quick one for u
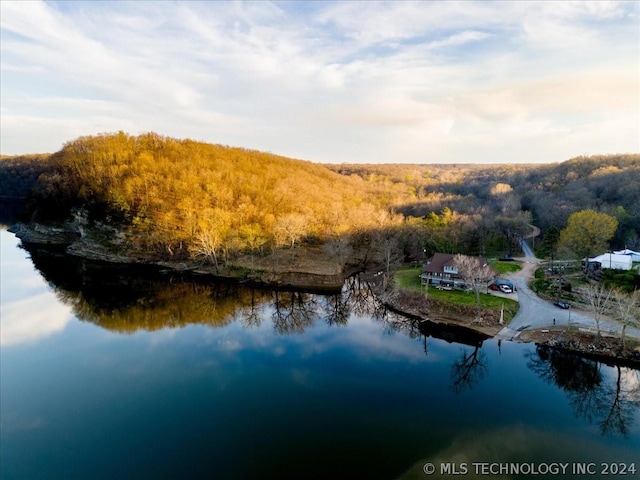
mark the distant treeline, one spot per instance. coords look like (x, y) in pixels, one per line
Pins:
(19, 174)
(189, 199)
(550, 192)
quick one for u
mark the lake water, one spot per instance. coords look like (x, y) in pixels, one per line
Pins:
(111, 373)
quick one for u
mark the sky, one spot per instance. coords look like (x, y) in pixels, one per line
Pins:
(335, 82)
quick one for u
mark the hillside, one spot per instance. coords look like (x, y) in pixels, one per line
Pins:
(185, 199)
(490, 197)
(181, 200)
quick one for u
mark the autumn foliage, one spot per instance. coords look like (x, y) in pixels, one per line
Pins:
(183, 199)
(195, 199)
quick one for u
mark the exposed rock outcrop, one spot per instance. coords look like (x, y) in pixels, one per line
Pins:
(45, 234)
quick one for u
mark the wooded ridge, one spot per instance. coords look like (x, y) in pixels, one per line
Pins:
(182, 200)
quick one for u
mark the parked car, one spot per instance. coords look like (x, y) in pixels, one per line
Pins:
(498, 283)
(505, 289)
(561, 304)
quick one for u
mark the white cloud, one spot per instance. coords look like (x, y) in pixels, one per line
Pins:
(33, 318)
(336, 81)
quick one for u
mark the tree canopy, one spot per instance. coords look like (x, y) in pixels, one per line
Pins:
(193, 198)
(190, 199)
(588, 232)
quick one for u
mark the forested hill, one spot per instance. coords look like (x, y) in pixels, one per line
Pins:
(186, 199)
(178, 195)
(489, 195)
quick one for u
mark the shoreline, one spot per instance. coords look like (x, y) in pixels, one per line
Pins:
(77, 245)
(443, 314)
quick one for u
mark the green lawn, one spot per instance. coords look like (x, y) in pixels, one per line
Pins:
(505, 267)
(408, 279)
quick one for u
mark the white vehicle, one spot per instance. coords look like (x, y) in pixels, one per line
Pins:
(505, 288)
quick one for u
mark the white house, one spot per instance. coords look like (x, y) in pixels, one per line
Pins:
(612, 260)
(635, 256)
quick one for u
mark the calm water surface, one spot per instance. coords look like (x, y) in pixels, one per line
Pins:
(114, 374)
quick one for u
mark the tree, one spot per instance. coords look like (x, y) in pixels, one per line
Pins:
(587, 232)
(387, 245)
(627, 310)
(212, 235)
(290, 228)
(476, 274)
(253, 237)
(599, 299)
(339, 249)
(548, 246)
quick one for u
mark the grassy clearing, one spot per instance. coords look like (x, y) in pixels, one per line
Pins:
(301, 260)
(408, 279)
(505, 267)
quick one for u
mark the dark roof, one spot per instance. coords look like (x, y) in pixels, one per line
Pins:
(437, 263)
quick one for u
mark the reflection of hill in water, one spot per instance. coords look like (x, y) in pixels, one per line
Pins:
(127, 298)
(131, 298)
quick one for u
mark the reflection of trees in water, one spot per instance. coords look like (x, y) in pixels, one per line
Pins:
(623, 403)
(293, 312)
(128, 298)
(359, 294)
(394, 322)
(162, 305)
(337, 309)
(468, 369)
(253, 313)
(610, 403)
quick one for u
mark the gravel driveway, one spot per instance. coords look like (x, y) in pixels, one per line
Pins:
(537, 313)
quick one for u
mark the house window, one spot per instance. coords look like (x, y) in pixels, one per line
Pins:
(450, 269)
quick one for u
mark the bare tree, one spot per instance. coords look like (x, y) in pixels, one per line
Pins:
(599, 299)
(212, 234)
(387, 245)
(339, 248)
(475, 274)
(290, 228)
(207, 245)
(627, 310)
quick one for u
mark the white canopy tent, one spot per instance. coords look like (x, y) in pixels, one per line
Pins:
(635, 256)
(614, 261)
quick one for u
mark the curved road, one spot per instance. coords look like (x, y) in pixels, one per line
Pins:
(536, 313)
